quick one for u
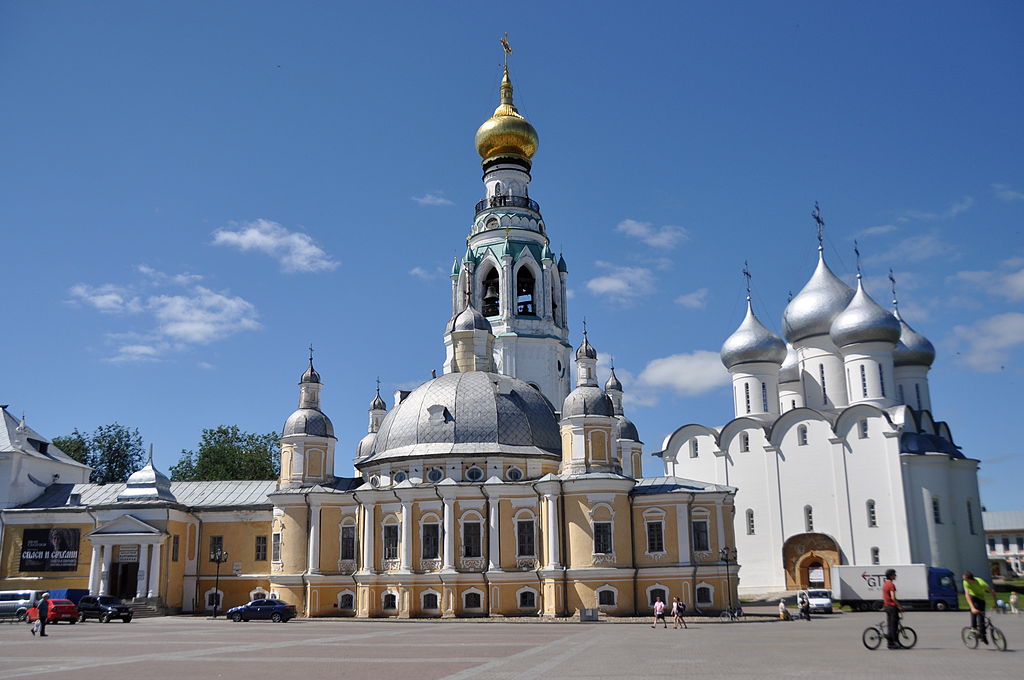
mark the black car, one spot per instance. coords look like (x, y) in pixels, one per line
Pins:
(275, 610)
(103, 608)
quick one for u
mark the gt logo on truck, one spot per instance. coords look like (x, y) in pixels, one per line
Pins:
(873, 580)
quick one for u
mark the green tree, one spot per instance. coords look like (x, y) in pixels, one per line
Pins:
(116, 452)
(225, 452)
(75, 445)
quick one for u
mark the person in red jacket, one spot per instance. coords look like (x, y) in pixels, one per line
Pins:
(892, 608)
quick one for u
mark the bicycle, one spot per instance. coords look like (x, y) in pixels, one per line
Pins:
(872, 637)
(731, 614)
(971, 636)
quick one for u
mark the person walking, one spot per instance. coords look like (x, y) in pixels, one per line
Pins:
(677, 613)
(1013, 603)
(974, 591)
(659, 612)
(892, 609)
(42, 613)
(805, 606)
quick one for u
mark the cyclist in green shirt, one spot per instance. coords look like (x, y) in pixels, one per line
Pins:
(974, 591)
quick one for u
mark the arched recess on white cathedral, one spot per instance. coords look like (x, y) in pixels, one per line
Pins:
(729, 438)
(527, 279)
(790, 420)
(849, 420)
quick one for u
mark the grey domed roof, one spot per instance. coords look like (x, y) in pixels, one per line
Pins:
(913, 349)
(469, 320)
(378, 404)
(586, 350)
(613, 382)
(310, 376)
(308, 421)
(814, 308)
(365, 446)
(790, 371)
(470, 413)
(864, 320)
(587, 400)
(147, 484)
(626, 429)
(752, 342)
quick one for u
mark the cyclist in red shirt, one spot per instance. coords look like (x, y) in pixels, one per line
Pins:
(892, 608)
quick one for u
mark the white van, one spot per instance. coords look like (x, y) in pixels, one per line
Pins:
(819, 598)
(16, 603)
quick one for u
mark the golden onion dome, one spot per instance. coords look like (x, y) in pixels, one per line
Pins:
(506, 133)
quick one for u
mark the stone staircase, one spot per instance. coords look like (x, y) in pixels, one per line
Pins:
(147, 608)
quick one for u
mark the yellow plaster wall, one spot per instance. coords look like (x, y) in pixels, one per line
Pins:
(240, 544)
(294, 538)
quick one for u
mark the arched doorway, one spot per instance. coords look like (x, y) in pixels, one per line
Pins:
(807, 559)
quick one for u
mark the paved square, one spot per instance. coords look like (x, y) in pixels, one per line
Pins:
(181, 647)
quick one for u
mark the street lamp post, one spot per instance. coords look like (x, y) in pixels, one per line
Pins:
(220, 557)
(728, 554)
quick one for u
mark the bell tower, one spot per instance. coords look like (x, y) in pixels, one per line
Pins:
(516, 282)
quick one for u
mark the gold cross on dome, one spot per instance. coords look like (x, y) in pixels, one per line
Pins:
(506, 47)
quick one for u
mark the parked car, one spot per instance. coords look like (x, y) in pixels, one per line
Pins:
(819, 599)
(16, 603)
(60, 610)
(103, 608)
(274, 610)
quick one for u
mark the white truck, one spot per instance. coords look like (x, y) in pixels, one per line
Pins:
(917, 585)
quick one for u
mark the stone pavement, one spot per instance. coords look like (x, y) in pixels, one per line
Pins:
(185, 648)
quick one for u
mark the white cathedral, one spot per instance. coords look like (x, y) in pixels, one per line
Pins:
(834, 450)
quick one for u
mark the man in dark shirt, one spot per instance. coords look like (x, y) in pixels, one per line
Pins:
(43, 611)
(892, 609)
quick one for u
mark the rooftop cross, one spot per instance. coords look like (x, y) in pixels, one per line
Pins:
(506, 47)
(856, 252)
(820, 222)
(311, 353)
(892, 280)
(747, 276)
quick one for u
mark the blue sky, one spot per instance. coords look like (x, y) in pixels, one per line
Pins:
(195, 191)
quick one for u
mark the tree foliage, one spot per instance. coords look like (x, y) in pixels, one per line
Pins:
(113, 451)
(225, 452)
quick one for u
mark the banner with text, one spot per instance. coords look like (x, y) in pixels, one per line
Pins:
(49, 549)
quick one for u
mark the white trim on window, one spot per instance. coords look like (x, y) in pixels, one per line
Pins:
(383, 600)
(606, 588)
(257, 594)
(352, 595)
(475, 591)
(220, 599)
(657, 586)
(711, 594)
(536, 598)
(423, 598)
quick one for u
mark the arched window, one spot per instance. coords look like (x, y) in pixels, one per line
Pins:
(430, 600)
(524, 292)
(824, 390)
(862, 428)
(746, 395)
(750, 522)
(606, 597)
(801, 435)
(554, 306)
(881, 378)
(492, 294)
(655, 593)
(863, 381)
(764, 397)
(936, 510)
(875, 558)
(872, 517)
(472, 599)
(390, 600)
(808, 519)
(744, 442)
(527, 598)
(917, 392)
(346, 600)
(694, 448)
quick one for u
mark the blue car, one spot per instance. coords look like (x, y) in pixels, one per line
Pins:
(273, 610)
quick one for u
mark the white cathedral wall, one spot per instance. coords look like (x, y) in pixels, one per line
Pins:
(752, 473)
(537, 361)
(818, 354)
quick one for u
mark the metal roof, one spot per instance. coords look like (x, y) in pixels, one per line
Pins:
(223, 494)
(14, 437)
(652, 485)
(1009, 520)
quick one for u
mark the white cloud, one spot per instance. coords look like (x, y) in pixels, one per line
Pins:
(913, 249)
(108, 298)
(622, 285)
(295, 251)
(955, 208)
(686, 374)
(1005, 284)
(202, 316)
(665, 237)
(698, 299)
(877, 230)
(961, 206)
(1006, 193)
(161, 278)
(426, 274)
(989, 342)
(432, 198)
(135, 354)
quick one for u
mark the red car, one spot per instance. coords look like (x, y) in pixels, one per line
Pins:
(60, 610)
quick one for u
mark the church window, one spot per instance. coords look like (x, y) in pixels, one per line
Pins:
(524, 292)
(656, 593)
(764, 397)
(917, 392)
(430, 600)
(175, 543)
(862, 428)
(899, 390)
(991, 545)
(744, 442)
(881, 378)
(746, 396)
(606, 598)
(471, 544)
(527, 599)
(492, 294)
(400, 476)
(348, 543)
(216, 547)
(656, 537)
(750, 522)
(936, 510)
(602, 538)
(863, 381)
(526, 545)
(514, 474)
(472, 600)
(391, 541)
(275, 547)
(474, 474)
(261, 548)
(703, 595)
(346, 601)
(808, 518)
(801, 435)
(435, 475)
(970, 516)
(872, 516)
(694, 448)
(213, 599)
(431, 541)
(699, 533)
(390, 601)
(875, 558)
(824, 389)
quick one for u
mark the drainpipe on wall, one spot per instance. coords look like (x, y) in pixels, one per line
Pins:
(564, 541)
(632, 557)
(199, 542)
(305, 574)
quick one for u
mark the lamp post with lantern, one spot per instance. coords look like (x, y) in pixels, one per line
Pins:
(219, 557)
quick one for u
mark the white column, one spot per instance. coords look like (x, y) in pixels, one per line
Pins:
(683, 526)
(140, 587)
(449, 535)
(406, 535)
(368, 532)
(108, 554)
(94, 570)
(154, 572)
(314, 538)
(553, 558)
(493, 536)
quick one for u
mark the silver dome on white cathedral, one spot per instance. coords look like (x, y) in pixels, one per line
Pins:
(913, 349)
(469, 319)
(790, 369)
(864, 320)
(752, 342)
(814, 308)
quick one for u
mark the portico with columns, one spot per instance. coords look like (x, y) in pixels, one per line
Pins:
(126, 546)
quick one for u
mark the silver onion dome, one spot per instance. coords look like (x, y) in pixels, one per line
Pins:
(864, 320)
(613, 382)
(913, 349)
(626, 429)
(308, 421)
(752, 342)
(365, 446)
(586, 350)
(790, 371)
(814, 308)
(469, 319)
(587, 400)
(378, 404)
(310, 376)
(147, 483)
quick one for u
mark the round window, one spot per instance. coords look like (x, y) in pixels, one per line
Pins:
(435, 475)
(375, 481)
(514, 474)
(474, 474)
(400, 477)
